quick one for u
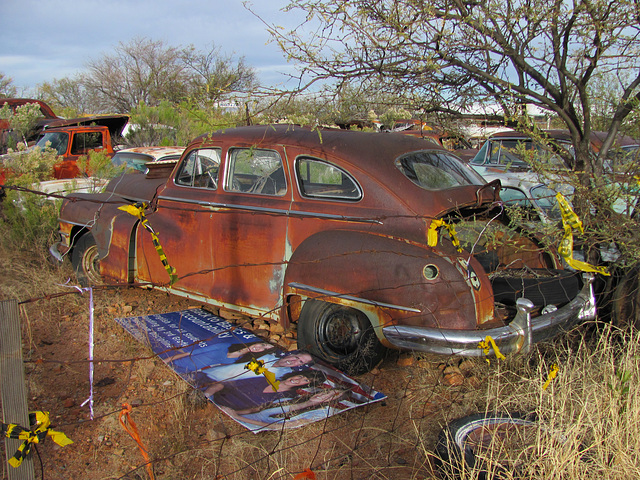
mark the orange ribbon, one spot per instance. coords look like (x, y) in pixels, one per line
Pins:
(132, 430)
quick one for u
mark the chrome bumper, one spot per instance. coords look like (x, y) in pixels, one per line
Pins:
(518, 336)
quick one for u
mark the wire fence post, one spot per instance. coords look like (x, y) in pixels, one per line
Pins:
(12, 386)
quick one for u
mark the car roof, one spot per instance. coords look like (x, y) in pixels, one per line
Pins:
(597, 138)
(155, 152)
(364, 149)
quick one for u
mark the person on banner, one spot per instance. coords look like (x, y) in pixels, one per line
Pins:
(306, 408)
(257, 391)
(216, 354)
(280, 363)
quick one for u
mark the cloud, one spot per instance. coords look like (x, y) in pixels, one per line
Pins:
(46, 39)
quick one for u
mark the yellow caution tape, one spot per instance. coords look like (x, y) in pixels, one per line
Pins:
(570, 222)
(41, 421)
(257, 367)
(137, 210)
(553, 372)
(432, 233)
(487, 344)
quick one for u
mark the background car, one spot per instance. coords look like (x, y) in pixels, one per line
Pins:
(136, 158)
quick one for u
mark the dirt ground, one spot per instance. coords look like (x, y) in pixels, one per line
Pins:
(186, 436)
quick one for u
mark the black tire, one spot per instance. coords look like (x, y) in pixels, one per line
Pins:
(544, 287)
(339, 335)
(463, 444)
(626, 300)
(86, 261)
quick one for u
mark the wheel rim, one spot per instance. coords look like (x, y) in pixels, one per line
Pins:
(340, 331)
(91, 265)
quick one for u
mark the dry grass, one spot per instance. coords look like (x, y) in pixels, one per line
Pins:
(587, 416)
(589, 412)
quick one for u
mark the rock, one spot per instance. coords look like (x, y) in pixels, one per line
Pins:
(466, 365)
(276, 328)
(261, 332)
(453, 376)
(68, 403)
(406, 360)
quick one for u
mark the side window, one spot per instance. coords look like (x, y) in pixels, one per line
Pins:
(200, 169)
(252, 170)
(85, 141)
(320, 179)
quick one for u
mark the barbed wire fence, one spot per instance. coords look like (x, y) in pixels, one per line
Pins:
(187, 437)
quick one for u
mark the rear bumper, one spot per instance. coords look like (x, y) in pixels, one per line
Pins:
(518, 336)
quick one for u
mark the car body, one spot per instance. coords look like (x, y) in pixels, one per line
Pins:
(49, 119)
(331, 231)
(501, 152)
(535, 195)
(72, 142)
(136, 158)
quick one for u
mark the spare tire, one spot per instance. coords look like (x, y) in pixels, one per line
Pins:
(464, 443)
(542, 286)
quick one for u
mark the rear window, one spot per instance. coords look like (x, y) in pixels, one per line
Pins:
(321, 179)
(437, 170)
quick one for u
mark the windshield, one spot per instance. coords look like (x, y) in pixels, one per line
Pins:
(517, 153)
(545, 198)
(136, 161)
(436, 170)
(57, 140)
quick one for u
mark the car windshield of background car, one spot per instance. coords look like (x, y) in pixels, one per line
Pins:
(135, 161)
(545, 198)
(57, 140)
(433, 170)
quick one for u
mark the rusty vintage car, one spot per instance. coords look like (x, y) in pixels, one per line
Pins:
(362, 240)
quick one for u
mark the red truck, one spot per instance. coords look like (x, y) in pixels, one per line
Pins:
(73, 142)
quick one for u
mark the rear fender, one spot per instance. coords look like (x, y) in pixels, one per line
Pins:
(395, 282)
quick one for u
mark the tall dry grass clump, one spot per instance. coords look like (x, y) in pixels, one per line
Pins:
(587, 419)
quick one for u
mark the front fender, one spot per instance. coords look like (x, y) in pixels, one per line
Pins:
(111, 228)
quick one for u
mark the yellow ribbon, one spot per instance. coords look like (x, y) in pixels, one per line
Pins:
(137, 210)
(257, 367)
(570, 222)
(432, 233)
(487, 344)
(553, 372)
(41, 421)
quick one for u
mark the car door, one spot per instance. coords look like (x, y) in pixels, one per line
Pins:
(253, 229)
(228, 244)
(182, 220)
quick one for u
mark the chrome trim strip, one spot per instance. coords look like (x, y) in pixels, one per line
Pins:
(328, 293)
(271, 210)
(516, 336)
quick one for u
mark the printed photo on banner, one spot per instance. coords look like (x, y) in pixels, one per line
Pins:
(260, 385)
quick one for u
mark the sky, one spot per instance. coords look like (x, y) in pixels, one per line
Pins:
(43, 40)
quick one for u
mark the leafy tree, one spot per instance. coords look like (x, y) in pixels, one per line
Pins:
(214, 75)
(452, 53)
(68, 97)
(7, 89)
(149, 72)
(23, 121)
(141, 71)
